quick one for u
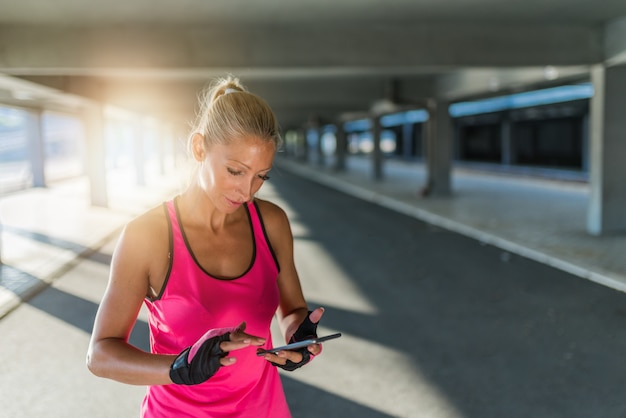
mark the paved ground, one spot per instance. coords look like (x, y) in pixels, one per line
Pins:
(435, 324)
(544, 220)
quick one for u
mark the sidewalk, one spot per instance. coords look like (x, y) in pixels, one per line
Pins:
(543, 220)
(46, 231)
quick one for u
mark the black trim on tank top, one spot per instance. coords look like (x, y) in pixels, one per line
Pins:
(267, 239)
(170, 254)
(193, 256)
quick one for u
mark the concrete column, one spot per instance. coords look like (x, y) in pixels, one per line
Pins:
(341, 148)
(302, 145)
(139, 153)
(95, 154)
(439, 150)
(607, 170)
(36, 148)
(424, 143)
(321, 159)
(507, 157)
(585, 143)
(457, 138)
(377, 154)
(407, 140)
(164, 137)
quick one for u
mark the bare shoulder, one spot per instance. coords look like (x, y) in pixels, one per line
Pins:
(145, 235)
(150, 225)
(278, 230)
(277, 226)
(141, 254)
(273, 215)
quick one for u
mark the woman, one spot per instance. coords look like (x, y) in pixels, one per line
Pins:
(213, 266)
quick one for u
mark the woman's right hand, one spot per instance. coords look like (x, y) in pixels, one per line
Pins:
(197, 363)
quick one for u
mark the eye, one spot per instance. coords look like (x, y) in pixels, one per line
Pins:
(234, 172)
(264, 177)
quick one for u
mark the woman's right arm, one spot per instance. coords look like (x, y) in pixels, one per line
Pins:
(110, 355)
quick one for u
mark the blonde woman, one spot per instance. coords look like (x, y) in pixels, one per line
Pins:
(213, 266)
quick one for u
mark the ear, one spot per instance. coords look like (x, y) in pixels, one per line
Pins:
(197, 147)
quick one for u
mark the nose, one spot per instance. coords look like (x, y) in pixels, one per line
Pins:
(245, 189)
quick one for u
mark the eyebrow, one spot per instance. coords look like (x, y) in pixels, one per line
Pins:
(248, 167)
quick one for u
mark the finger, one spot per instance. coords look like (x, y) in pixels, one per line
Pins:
(238, 331)
(274, 358)
(248, 339)
(227, 361)
(239, 336)
(294, 356)
(282, 356)
(254, 340)
(314, 349)
(228, 346)
(316, 315)
(242, 342)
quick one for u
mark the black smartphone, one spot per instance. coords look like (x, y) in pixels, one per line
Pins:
(299, 344)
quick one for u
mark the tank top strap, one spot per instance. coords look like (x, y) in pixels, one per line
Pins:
(177, 246)
(264, 247)
(171, 211)
(174, 226)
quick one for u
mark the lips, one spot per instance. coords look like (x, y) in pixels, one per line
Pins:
(233, 203)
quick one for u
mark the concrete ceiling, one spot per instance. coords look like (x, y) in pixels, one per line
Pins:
(230, 12)
(308, 58)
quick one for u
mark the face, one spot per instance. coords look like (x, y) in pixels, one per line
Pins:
(231, 174)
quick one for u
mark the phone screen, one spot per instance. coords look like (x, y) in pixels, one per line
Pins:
(299, 344)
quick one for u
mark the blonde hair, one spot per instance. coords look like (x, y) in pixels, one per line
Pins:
(228, 111)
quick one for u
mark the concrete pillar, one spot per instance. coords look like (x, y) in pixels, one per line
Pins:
(438, 150)
(36, 149)
(607, 150)
(457, 141)
(319, 152)
(95, 154)
(139, 153)
(313, 139)
(303, 145)
(341, 148)
(377, 154)
(507, 157)
(164, 136)
(407, 140)
(585, 143)
(425, 129)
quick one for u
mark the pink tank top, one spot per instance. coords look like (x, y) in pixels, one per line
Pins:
(192, 302)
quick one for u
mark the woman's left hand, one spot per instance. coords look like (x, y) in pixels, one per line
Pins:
(294, 359)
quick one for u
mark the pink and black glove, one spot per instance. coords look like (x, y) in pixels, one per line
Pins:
(306, 330)
(197, 363)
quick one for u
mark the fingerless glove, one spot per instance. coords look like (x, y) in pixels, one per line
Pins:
(305, 331)
(197, 363)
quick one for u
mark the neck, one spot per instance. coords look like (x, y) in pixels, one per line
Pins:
(198, 209)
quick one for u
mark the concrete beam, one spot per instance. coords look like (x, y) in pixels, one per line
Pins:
(615, 42)
(96, 50)
(476, 82)
(293, 99)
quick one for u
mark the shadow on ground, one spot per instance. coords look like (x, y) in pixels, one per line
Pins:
(497, 334)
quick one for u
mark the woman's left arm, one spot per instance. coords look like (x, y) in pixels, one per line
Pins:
(292, 308)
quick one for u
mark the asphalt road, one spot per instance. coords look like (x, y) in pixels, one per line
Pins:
(435, 325)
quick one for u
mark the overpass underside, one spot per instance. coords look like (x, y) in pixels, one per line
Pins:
(320, 73)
